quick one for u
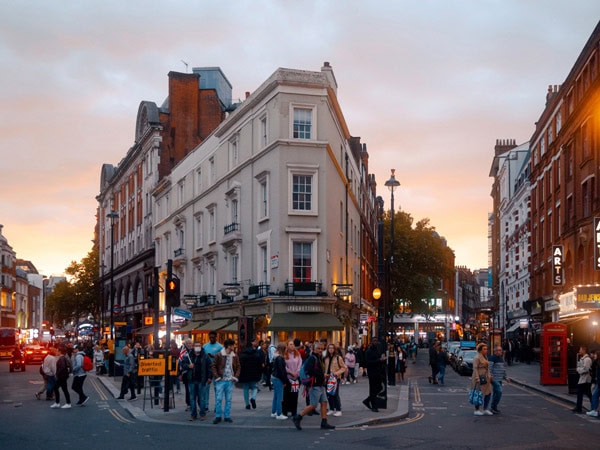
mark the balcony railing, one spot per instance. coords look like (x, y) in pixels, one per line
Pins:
(303, 288)
(207, 300)
(179, 252)
(231, 228)
(258, 291)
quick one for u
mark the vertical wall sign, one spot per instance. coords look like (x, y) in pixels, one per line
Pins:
(557, 265)
(596, 243)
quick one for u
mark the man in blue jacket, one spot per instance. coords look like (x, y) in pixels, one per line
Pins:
(498, 371)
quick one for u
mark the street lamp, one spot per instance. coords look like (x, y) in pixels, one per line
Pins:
(112, 216)
(391, 184)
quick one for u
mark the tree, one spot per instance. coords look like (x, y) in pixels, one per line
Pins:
(78, 297)
(421, 261)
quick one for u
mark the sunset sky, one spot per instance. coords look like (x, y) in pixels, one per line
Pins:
(428, 85)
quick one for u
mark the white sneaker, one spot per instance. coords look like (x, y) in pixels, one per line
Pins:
(281, 417)
(273, 415)
(487, 412)
(337, 413)
(478, 413)
(354, 381)
(330, 412)
(592, 413)
(66, 406)
(55, 405)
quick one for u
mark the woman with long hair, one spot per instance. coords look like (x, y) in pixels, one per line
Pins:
(278, 380)
(334, 365)
(293, 362)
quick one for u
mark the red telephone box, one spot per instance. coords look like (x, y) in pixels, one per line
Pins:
(553, 355)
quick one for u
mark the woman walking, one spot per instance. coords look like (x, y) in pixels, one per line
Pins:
(481, 379)
(293, 362)
(334, 365)
(350, 361)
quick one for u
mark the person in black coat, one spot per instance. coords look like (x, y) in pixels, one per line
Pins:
(198, 372)
(375, 363)
(251, 362)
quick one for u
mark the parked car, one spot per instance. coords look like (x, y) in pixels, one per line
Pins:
(34, 354)
(465, 362)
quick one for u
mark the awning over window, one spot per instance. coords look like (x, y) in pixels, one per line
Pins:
(232, 327)
(212, 325)
(144, 331)
(304, 322)
(191, 326)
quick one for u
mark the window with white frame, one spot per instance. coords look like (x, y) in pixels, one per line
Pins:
(199, 235)
(263, 196)
(263, 131)
(302, 261)
(180, 192)
(234, 267)
(211, 163)
(264, 265)
(234, 211)
(198, 181)
(302, 127)
(212, 274)
(303, 188)
(212, 224)
(234, 151)
(180, 233)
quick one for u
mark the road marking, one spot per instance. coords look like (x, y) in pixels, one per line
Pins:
(119, 417)
(99, 389)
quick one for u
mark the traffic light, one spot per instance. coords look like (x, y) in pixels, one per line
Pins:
(172, 292)
(150, 297)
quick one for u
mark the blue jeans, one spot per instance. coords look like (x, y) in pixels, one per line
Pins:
(442, 374)
(595, 397)
(204, 397)
(277, 396)
(196, 398)
(250, 386)
(496, 393)
(224, 388)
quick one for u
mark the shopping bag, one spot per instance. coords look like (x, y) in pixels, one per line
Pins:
(475, 397)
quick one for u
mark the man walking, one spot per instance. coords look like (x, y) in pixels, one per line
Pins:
(225, 371)
(318, 390)
(584, 364)
(79, 375)
(212, 347)
(374, 358)
(128, 381)
(498, 371)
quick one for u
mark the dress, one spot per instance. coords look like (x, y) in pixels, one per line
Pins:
(481, 367)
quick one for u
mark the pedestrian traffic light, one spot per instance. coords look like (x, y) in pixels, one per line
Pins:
(172, 292)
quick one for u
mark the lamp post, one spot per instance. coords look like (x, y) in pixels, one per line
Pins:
(391, 184)
(112, 216)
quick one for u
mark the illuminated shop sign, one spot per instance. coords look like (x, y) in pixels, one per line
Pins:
(557, 265)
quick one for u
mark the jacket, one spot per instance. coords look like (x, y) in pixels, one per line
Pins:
(49, 365)
(314, 368)
(497, 368)
(201, 372)
(279, 370)
(583, 369)
(77, 361)
(251, 363)
(129, 365)
(62, 368)
(337, 365)
(481, 367)
(218, 365)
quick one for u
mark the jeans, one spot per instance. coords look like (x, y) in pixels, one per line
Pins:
(486, 401)
(277, 396)
(496, 393)
(61, 384)
(224, 388)
(204, 397)
(441, 374)
(197, 393)
(595, 397)
(250, 386)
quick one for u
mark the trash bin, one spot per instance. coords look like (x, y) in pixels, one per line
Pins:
(572, 379)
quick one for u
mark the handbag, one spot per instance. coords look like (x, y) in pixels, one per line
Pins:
(482, 380)
(475, 397)
(332, 384)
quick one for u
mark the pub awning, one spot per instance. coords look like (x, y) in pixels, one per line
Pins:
(232, 327)
(212, 325)
(318, 321)
(190, 326)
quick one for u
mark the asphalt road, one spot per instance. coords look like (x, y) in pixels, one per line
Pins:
(440, 417)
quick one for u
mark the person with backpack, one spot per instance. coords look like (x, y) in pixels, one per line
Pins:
(79, 375)
(313, 378)
(62, 375)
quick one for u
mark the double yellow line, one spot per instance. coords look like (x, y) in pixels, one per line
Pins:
(103, 396)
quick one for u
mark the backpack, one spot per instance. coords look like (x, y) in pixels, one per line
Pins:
(305, 379)
(87, 363)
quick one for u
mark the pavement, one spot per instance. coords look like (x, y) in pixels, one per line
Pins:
(354, 413)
